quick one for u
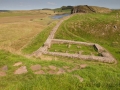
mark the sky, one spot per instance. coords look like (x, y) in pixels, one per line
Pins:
(39, 4)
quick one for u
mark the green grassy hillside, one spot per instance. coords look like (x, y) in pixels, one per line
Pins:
(96, 76)
(103, 29)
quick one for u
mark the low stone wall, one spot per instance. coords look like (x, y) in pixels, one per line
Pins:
(106, 57)
(47, 43)
(83, 57)
(99, 48)
(52, 33)
(60, 41)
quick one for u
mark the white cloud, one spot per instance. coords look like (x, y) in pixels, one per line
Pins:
(51, 3)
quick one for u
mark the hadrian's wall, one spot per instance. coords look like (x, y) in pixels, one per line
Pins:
(83, 57)
(47, 43)
(106, 57)
(60, 41)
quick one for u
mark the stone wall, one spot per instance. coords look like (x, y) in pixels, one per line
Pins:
(47, 43)
(60, 41)
(99, 48)
(83, 57)
(106, 57)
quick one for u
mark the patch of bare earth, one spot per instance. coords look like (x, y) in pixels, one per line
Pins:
(60, 71)
(77, 67)
(4, 68)
(66, 67)
(39, 72)
(82, 66)
(47, 58)
(52, 67)
(2, 73)
(51, 72)
(21, 70)
(45, 68)
(18, 64)
(35, 67)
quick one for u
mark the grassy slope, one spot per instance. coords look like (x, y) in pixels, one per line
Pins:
(103, 29)
(98, 28)
(39, 40)
(97, 76)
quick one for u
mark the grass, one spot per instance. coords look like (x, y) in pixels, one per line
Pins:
(39, 40)
(18, 28)
(72, 48)
(59, 10)
(97, 28)
(96, 76)
(26, 13)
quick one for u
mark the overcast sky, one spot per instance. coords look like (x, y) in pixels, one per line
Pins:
(39, 4)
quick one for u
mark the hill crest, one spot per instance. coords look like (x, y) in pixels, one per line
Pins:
(88, 9)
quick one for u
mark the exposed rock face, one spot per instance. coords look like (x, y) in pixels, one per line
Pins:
(82, 9)
(86, 9)
(76, 9)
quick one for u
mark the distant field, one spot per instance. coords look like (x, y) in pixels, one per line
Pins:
(17, 28)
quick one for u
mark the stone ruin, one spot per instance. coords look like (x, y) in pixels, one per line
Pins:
(105, 55)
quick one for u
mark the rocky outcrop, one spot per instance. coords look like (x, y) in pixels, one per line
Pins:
(77, 9)
(82, 9)
(87, 9)
(90, 8)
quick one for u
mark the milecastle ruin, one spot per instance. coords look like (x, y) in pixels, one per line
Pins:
(105, 55)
